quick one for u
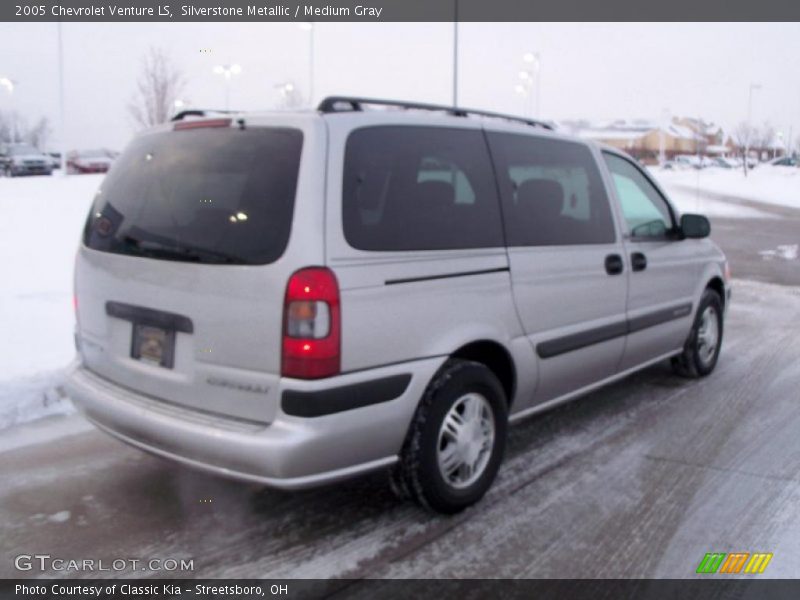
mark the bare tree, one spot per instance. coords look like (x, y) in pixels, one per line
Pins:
(159, 84)
(5, 130)
(38, 135)
(12, 127)
(744, 136)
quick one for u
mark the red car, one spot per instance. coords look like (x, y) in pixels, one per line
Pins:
(89, 161)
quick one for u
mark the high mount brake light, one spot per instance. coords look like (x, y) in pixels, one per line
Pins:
(311, 345)
(200, 124)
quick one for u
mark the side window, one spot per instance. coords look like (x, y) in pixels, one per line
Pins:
(552, 192)
(645, 210)
(419, 188)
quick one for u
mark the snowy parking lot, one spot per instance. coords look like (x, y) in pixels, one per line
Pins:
(654, 468)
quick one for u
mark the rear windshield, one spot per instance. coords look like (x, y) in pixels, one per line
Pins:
(212, 195)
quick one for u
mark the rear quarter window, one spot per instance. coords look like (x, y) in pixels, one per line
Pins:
(419, 188)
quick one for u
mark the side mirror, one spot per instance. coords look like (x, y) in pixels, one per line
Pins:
(695, 226)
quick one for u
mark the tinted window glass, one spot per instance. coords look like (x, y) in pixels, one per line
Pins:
(419, 188)
(216, 195)
(552, 192)
(645, 211)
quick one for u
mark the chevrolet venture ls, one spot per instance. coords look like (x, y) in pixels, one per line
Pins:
(297, 298)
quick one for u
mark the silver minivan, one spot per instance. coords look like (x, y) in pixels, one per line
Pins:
(294, 298)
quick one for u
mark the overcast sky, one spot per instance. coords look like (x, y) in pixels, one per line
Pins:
(588, 70)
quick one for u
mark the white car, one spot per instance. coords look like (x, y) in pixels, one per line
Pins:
(23, 159)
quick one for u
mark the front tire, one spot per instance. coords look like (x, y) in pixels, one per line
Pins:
(456, 440)
(701, 351)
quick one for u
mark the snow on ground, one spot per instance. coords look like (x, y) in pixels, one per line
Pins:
(765, 183)
(42, 218)
(687, 201)
(783, 251)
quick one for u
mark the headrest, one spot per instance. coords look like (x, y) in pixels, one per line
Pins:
(541, 191)
(429, 193)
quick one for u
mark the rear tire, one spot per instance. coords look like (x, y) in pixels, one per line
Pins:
(456, 440)
(701, 350)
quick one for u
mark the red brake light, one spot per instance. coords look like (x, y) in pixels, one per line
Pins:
(311, 347)
(201, 123)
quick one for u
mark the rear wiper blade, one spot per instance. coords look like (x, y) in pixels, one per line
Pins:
(180, 252)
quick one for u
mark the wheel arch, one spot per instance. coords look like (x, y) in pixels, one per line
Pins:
(496, 358)
(716, 284)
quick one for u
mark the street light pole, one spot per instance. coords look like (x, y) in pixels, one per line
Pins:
(662, 139)
(309, 27)
(455, 53)
(753, 86)
(530, 79)
(311, 66)
(61, 113)
(538, 71)
(228, 71)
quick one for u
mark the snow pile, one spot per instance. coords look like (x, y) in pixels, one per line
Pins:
(42, 218)
(783, 251)
(765, 183)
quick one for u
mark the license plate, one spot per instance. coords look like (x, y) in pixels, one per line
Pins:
(153, 345)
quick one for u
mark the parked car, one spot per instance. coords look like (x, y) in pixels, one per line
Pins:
(722, 162)
(89, 161)
(674, 165)
(689, 160)
(23, 159)
(784, 161)
(55, 160)
(297, 298)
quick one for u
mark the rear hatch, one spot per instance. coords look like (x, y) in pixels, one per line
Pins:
(181, 275)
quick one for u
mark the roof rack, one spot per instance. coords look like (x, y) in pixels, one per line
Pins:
(200, 112)
(333, 104)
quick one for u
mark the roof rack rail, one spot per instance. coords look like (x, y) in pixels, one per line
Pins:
(333, 104)
(200, 112)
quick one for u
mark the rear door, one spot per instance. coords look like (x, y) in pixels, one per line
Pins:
(565, 257)
(185, 257)
(415, 237)
(663, 268)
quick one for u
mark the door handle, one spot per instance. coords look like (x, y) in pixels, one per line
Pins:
(638, 261)
(614, 264)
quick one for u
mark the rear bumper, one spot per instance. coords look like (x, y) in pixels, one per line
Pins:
(292, 452)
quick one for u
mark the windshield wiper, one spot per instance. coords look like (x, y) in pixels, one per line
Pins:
(179, 252)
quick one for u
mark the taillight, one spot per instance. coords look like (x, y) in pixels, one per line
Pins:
(311, 325)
